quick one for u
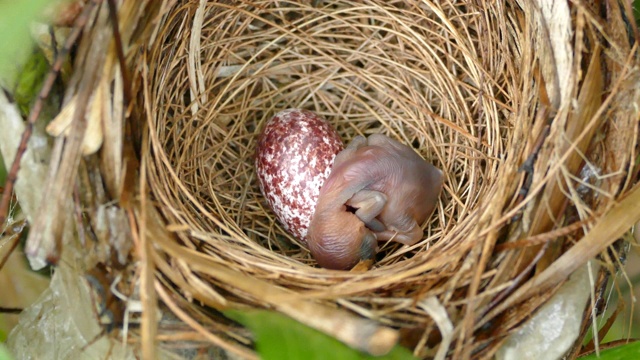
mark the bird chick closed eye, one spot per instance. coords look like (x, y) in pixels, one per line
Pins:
(378, 190)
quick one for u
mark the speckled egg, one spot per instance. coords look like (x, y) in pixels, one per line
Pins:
(294, 157)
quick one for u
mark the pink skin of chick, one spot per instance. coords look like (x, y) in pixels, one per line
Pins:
(378, 190)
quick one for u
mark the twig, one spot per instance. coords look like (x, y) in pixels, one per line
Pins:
(7, 310)
(14, 234)
(542, 238)
(12, 175)
(126, 79)
(13, 243)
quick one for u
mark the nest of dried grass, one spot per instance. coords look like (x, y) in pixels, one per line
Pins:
(529, 111)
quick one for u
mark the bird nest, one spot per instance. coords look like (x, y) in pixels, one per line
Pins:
(513, 115)
(527, 107)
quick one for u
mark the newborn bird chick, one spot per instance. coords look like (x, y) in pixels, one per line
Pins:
(378, 190)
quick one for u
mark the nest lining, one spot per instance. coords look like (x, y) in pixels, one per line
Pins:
(350, 65)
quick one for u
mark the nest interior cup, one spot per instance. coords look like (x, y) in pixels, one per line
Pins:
(366, 74)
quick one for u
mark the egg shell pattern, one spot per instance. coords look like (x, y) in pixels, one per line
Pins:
(294, 157)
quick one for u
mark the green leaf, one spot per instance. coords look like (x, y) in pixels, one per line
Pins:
(29, 80)
(4, 353)
(3, 171)
(279, 337)
(15, 40)
(622, 352)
